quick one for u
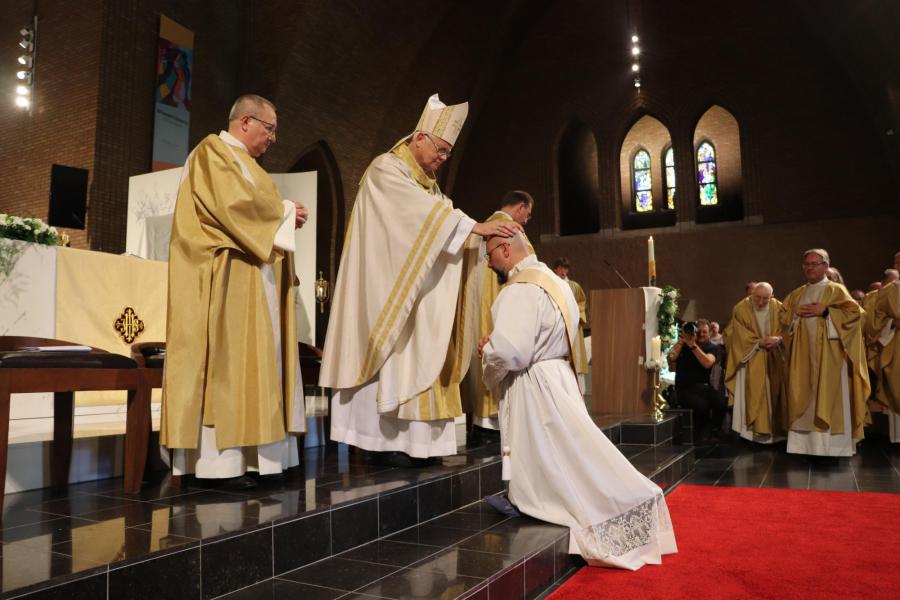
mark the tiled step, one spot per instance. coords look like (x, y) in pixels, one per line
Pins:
(190, 541)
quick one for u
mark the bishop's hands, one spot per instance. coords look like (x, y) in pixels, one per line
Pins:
(301, 216)
(482, 344)
(500, 228)
(814, 309)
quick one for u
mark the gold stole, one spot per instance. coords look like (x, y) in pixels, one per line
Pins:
(546, 283)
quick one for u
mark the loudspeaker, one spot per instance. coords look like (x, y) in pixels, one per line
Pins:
(68, 196)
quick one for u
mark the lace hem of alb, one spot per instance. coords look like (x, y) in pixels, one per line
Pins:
(620, 535)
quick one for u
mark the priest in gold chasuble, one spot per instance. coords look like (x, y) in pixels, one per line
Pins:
(828, 380)
(232, 387)
(754, 374)
(403, 319)
(881, 333)
(579, 350)
(478, 400)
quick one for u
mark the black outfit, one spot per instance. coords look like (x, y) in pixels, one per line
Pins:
(693, 390)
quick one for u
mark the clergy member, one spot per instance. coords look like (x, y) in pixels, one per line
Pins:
(478, 401)
(403, 318)
(232, 387)
(560, 466)
(579, 349)
(881, 331)
(754, 374)
(828, 383)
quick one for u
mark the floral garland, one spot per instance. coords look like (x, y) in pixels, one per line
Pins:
(28, 230)
(665, 317)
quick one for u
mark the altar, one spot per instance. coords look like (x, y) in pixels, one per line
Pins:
(110, 301)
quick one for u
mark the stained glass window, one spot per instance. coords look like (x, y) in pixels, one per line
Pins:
(643, 193)
(670, 178)
(706, 174)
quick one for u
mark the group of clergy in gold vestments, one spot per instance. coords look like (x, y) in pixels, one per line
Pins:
(418, 294)
(799, 369)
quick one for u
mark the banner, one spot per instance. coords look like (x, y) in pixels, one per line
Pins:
(172, 115)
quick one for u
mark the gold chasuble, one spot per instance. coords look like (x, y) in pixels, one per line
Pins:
(821, 350)
(579, 350)
(405, 308)
(882, 334)
(478, 399)
(755, 375)
(221, 368)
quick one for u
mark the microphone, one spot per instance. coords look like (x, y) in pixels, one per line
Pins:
(616, 271)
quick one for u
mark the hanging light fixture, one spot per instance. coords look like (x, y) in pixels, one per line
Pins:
(25, 74)
(636, 65)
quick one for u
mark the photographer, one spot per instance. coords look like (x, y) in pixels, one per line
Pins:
(692, 357)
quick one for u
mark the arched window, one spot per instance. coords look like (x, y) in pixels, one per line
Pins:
(669, 161)
(706, 174)
(643, 183)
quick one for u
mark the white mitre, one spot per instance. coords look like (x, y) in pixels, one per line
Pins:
(443, 121)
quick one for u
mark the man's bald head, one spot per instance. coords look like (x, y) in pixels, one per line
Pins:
(762, 293)
(503, 253)
(890, 276)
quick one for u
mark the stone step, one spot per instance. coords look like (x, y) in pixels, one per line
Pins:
(349, 518)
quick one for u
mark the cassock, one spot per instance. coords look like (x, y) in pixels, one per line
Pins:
(560, 466)
(232, 386)
(828, 381)
(883, 335)
(477, 398)
(404, 315)
(579, 351)
(754, 376)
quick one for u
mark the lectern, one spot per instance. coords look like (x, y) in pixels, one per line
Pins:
(623, 321)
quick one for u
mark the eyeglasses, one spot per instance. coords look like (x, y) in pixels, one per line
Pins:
(487, 255)
(442, 152)
(269, 127)
(813, 264)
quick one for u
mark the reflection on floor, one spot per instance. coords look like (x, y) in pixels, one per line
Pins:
(874, 468)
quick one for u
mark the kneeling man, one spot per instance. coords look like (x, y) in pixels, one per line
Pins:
(560, 466)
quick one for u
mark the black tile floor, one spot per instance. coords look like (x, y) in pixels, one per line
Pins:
(874, 468)
(185, 539)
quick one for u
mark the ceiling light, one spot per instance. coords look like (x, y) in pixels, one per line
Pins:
(635, 67)
(634, 39)
(635, 51)
(23, 90)
(23, 102)
(637, 82)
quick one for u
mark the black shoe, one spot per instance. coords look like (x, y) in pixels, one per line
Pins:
(401, 460)
(236, 484)
(502, 505)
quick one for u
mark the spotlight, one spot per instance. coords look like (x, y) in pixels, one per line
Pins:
(23, 75)
(637, 82)
(23, 90)
(635, 67)
(635, 50)
(24, 60)
(634, 39)
(22, 102)
(27, 45)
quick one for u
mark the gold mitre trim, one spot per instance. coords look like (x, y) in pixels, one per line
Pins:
(443, 121)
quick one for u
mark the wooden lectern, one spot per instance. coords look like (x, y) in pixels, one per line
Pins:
(620, 384)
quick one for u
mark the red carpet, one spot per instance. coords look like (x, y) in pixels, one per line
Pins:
(765, 543)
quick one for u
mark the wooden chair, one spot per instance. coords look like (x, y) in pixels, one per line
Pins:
(64, 373)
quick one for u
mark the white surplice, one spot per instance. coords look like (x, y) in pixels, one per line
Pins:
(561, 468)
(208, 461)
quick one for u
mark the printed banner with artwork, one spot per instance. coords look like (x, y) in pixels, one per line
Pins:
(172, 113)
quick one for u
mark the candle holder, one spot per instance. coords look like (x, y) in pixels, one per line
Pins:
(659, 403)
(322, 292)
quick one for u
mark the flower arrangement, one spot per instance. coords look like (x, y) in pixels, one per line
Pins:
(28, 229)
(665, 317)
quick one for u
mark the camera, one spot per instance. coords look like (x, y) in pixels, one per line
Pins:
(689, 328)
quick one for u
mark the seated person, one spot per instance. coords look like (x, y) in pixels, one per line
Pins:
(692, 358)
